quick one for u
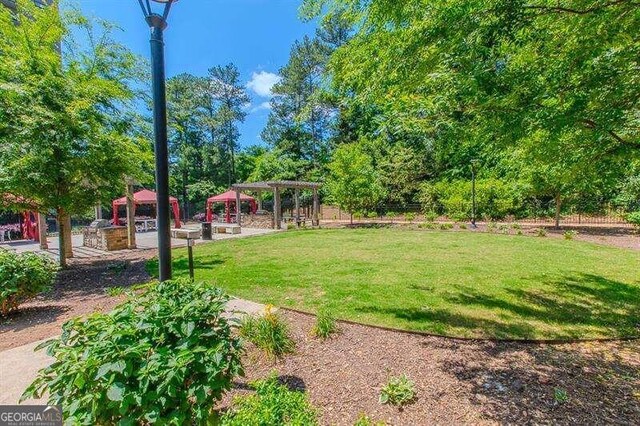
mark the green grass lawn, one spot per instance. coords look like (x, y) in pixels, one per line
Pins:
(454, 283)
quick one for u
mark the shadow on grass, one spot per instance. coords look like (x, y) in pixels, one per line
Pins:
(573, 307)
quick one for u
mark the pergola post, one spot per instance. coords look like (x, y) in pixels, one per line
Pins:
(297, 201)
(131, 220)
(276, 207)
(98, 211)
(316, 207)
(260, 200)
(238, 209)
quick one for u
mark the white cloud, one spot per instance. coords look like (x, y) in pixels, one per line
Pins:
(262, 82)
(262, 106)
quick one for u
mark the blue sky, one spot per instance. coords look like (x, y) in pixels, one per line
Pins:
(256, 35)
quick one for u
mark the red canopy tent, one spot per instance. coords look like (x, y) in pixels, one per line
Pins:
(29, 223)
(227, 198)
(148, 198)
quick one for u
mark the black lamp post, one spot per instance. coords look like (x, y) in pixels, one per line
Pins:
(474, 164)
(157, 24)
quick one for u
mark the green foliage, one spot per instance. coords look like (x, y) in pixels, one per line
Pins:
(364, 420)
(272, 404)
(569, 235)
(494, 198)
(541, 232)
(325, 325)
(634, 219)
(68, 136)
(398, 391)
(269, 332)
(22, 277)
(115, 291)
(560, 395)
(353, 183)
(410, 217)
(167, 356)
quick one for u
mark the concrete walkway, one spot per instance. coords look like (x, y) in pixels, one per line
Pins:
(19, 366)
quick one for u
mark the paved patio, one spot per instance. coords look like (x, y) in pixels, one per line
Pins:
(144, 241)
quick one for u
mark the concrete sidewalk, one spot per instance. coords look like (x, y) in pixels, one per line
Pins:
(19, 366)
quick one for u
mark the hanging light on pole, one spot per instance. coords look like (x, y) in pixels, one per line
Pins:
(157, 24)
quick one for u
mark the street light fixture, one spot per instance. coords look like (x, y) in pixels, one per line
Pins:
(157, 23)
(474, 164)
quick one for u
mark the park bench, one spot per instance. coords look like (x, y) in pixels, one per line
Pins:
(226, 228)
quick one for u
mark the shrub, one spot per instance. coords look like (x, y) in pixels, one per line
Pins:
(446, 226)
(541, 232)
(372, 215)
(22, 277)
(167, 355)
(634, 219)
(269, 332)
(430, 215)
(569, 235)
(325, 325)
(272, 404)
(291, 226)
(398, 391)
(427, 225)
(410, 217)
(462, 226)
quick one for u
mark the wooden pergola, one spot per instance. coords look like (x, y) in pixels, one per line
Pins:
(277, 186)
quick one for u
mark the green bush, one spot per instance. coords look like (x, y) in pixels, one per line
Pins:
(398, 391)
(494, 198)
(325, 325)
(269, 332)
(634, 219)
(22, 277)
(569, 235)
(166, 356)
(273, 404)
(410, 217)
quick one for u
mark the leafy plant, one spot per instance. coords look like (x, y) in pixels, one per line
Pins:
(272, 404)
(372, 215)
(398, 391)
(634, 219)
(462, 226)
(269, 332)
(446, 226)
(291, 226)
(167, 355)
(430, 215)
(22, 277)
(569, 235)
(541, 232)
(114, 291)
(560, 395)
(325, 325)
(410, 217)
(364, 420)
(427, 225)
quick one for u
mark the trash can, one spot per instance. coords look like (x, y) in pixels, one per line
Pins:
(206, 231)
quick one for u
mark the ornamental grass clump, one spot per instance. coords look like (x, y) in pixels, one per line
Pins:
(272, 404)
(22, 277)
(269, 332)
(166, 356)
(325, 325)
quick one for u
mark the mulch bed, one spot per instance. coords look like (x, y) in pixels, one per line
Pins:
(457, 382)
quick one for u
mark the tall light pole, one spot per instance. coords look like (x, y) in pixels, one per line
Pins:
(474, 164)
(157, 23)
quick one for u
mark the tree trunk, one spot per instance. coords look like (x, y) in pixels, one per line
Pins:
(64, 237)
(351, 218)
(185, 201)
(558, 208)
